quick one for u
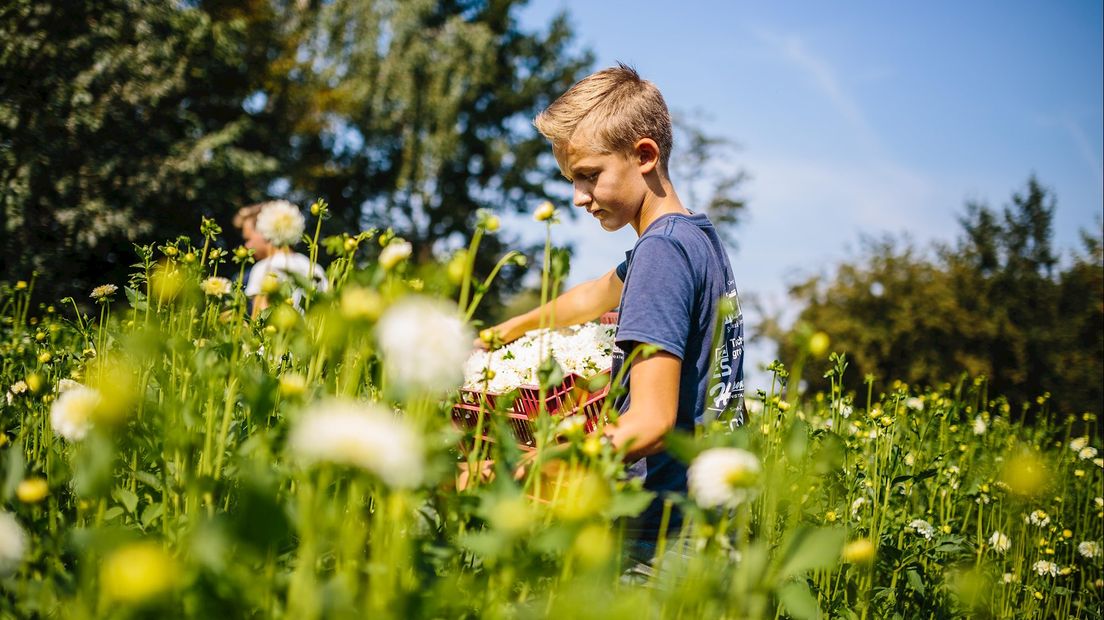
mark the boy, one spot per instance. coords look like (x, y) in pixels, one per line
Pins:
(271, 259)
(611, 135)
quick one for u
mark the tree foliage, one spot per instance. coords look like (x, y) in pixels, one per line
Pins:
(126, 121)
(995, 303)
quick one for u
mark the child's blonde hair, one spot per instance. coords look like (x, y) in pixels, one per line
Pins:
(616, 107)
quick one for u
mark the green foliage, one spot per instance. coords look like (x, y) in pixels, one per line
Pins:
(999, 303)
(190, 496)
(124, 121)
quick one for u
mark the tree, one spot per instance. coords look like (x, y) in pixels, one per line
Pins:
(992, 304)
(708, 178)
(122, 122)
(126, 123)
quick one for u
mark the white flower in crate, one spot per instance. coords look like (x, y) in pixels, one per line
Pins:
(723, 477)
(71, 413)
(281, 223)
(423, 343)
(584, 350)
(364, 435)
(13, 544)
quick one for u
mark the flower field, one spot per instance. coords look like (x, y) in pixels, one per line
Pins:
(165, 456)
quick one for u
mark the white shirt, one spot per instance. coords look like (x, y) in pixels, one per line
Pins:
(280, 265)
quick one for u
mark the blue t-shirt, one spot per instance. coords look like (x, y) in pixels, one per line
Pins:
(677, 279)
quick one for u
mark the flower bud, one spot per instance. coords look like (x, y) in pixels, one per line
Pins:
(544, 212)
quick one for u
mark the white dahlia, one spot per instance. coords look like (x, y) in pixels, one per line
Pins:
(13, 544)
(395, 252)
(281, 223)
(723, 477)
(999, 542)
(71, 413)
(922, 528)
(1089, 549)
(363, 435)
(423, 344)
(1043, 568)
(216, 286)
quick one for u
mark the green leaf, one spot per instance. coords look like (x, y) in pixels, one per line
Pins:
(914, 581)
(113, 513)
(13, 470)
(549, 373)
(148, 479)
(799, 601)
(811, 549)
(136, 298)
(629, 503)
(151, 513)
(126, 498)
(682, 445)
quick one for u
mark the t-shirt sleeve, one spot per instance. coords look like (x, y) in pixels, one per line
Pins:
(658, 297)
(256, 277)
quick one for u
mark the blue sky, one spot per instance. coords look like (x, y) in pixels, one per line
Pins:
(863, 118)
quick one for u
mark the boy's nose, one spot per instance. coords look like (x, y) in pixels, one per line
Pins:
(582, 198)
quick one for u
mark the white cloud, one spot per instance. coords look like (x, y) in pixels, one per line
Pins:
(823, 75)
(1086, 151)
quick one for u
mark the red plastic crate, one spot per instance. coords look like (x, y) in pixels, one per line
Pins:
(569, 398)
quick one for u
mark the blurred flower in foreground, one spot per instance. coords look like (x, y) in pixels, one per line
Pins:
(723, 477)
(818, 344)
(216, 286)
(999, 542)
(281, 223)
(71, 414)
(424, 344)
(1089, 549)
(362, 435)
(13, 544)
(32, 490)
(395, 252)
(858, 551)
(1025, 474)
(137, 572)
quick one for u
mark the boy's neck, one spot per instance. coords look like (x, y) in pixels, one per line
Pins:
(660, 200)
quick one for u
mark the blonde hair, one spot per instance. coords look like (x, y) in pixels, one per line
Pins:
(249, 214)
(617, 107)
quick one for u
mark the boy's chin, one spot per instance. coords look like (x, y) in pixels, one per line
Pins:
(610, 225)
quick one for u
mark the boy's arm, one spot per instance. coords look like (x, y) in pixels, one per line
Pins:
(653, 405)
(585, 302)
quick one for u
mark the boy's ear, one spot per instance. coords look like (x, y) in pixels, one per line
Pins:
(647, 154)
